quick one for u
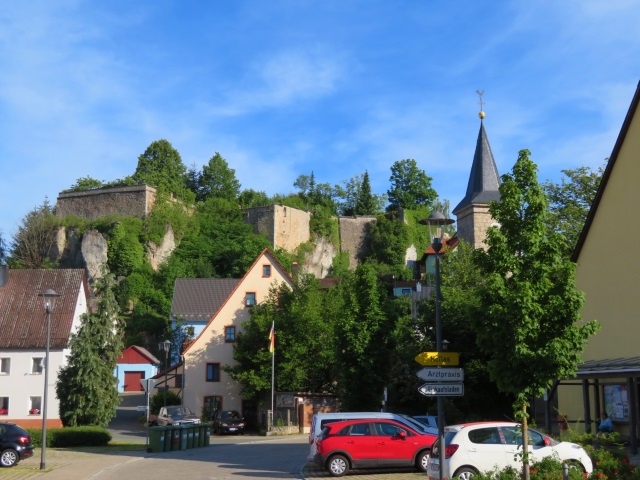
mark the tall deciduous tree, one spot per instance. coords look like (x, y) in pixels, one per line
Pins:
(410, 186)
(86, 386)
(35, 240)
(570, 202)
(161, 166)
(217, 180)
(529, 323)
(363, 343)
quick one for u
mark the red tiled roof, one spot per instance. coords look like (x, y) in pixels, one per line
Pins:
(23, 321)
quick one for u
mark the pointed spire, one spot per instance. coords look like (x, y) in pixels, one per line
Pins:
(484, 180)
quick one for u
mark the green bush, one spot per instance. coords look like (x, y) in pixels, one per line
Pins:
(157, 401)
(92, 436)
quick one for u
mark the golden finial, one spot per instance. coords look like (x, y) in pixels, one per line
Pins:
(480, 94)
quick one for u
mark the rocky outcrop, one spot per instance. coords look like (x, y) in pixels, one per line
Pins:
(94, 251)
(318, 262)
(159, 253)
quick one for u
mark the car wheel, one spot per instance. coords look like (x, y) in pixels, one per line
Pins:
(422, 461)
(338, 465)
(576, 465)
(465, 473)
(9, 458)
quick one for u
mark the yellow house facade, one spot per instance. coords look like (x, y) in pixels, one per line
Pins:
(608, 272)
(206, 387)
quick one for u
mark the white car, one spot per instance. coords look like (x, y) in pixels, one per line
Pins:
(484, 446)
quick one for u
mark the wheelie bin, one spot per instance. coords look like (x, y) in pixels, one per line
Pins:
(156, 439)
(207, 434)
(196, 435)
(201, 436)
(183, 429)
(190, 430)
(167, 438)
(175, 437)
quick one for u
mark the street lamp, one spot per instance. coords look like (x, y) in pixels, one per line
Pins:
(49, 300)
(438, 219)
(166, 346)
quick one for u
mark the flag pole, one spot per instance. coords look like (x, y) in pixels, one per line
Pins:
(272, 348)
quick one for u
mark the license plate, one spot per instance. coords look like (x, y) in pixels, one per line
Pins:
(232, 429)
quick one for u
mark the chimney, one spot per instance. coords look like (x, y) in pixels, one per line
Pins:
(294, 270)
(4, 275)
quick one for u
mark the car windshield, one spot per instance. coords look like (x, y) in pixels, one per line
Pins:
(229, 414)
(177, 411)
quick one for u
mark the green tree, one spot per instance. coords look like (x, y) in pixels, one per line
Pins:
(3, 249)
(530, 297)
(217, 180)
(388, 241)
(357, 198)
(304, 353)
(366, 203)
(462, 284)
(363, 343)
(33, 245)
(410, 187)
(86, 183)
(252, 198)
(570, 202)
(161, 166)
(86, 386)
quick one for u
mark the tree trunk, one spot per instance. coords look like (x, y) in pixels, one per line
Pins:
(525, 443)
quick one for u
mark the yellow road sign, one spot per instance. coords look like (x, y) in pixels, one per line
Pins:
(444, 359)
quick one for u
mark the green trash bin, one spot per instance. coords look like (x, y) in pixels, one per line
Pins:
(167, 438)
(183, 436)
(190, 430)
(196, 435)
(200, 434)
(156, 439)
(207, 434)
(175, 437)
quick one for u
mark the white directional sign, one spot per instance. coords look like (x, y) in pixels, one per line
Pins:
(441, 374)
(442, 389)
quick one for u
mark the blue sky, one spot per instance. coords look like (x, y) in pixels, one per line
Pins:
(282, 88)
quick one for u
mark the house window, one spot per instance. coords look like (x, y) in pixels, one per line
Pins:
(211, 404)
(266, 270)
(37, 365)
(35, 405)
(213, 372)
(178, 380)
(250, 299)
(5, 366)
(230, 334)
(4, 405)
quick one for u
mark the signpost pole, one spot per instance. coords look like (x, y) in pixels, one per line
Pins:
(437, 245)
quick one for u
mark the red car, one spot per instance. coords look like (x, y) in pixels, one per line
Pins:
(372, 443)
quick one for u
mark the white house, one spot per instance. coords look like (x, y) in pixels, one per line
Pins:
(23, 339)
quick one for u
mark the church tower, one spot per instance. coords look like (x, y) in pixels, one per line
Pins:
(473, 211)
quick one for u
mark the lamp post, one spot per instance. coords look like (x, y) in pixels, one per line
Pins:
(49, 299)
(439, 220)
(166, 346)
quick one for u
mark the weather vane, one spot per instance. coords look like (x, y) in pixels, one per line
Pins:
(481, 102)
